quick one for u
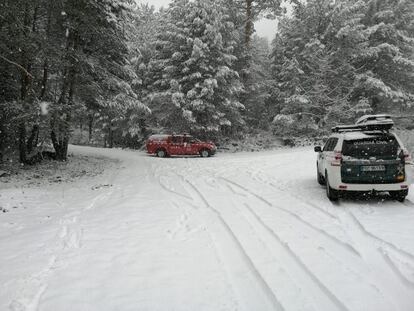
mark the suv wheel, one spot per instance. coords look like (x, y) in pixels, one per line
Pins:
(332, 194)
(161, 153)
(320, 178)
(204, 153)
(398, 195)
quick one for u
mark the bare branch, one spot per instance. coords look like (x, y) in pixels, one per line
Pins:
(17, 65)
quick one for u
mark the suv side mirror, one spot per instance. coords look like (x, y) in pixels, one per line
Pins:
(318, 149)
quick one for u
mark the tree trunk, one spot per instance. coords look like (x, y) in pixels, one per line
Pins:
(60, 127)
(111, 136)
(60, 144)
(25, 81)
(33, 139)
(249, 23)
(143, 127)
(80, 130)
(2, 139)
(90, 126)
(22, 142)
(45, 76)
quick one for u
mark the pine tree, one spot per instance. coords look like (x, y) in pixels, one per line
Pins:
(388, 60)
(251, 55)
(252, 11)
(335, 60)
(258, 85)
(65, 56)
(195, 85)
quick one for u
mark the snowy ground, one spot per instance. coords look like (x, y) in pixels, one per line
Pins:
(246, 231)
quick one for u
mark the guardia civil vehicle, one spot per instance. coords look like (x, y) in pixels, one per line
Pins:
(364, 157)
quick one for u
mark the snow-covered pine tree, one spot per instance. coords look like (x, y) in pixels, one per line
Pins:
(120, 107)
(335, 60)
(252, 10)
(63, 55)
(303, 70)
(195, 86)
(95, 69)
(252, 54)
(143, 28)
(386, 79)
(258, 85)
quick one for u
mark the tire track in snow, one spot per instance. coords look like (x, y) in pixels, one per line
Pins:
(392, 286)
(279, 277)
(355, 267)
(282, 190)
(323, 297)
(165, 186)
(349, 248)
(383, 243)
(394, 268)
(269, 204)
(246, 262)
(168, 189)
(377, 283)
(326, 213)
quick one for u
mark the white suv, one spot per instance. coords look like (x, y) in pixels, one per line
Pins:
(364, 157)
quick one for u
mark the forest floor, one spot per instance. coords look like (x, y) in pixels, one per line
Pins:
(242, 231)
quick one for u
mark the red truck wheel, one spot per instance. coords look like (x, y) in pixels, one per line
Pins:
(161, 153)
(204, 153)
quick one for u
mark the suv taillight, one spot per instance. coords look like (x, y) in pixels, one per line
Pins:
(337, 159)
(338, 155)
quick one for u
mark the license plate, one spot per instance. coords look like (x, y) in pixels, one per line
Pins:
(373, 168)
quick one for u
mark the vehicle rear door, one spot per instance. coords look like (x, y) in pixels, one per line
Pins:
(176, 145)
(372, 160)
(190, 145)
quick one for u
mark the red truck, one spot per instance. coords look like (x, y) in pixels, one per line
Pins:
(168, 145)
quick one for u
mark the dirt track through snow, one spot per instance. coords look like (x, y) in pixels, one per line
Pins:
(247, 231)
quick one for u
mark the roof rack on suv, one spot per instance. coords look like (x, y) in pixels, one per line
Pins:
(380, 122)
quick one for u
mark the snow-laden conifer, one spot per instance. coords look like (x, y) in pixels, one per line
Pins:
(195, 84)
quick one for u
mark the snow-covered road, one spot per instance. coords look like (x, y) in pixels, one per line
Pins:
(247, 231)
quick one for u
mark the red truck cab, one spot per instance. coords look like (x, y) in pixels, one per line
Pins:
(172, 145)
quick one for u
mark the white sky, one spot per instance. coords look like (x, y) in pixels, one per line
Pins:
(264, 28)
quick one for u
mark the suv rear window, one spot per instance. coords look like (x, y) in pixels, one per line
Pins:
(380, 147)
